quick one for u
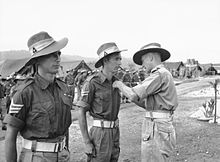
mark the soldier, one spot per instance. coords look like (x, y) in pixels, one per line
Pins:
(157, 94)
(2, 95)
(80, 81)
(120, 74)
(126, 79)
(40, 107)
(135, 79)
(18, 79)
(142, 75)
(70, 81)
(103, 103)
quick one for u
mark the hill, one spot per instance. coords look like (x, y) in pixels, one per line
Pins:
(21, 54)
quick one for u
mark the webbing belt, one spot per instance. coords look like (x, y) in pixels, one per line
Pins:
(43, 146)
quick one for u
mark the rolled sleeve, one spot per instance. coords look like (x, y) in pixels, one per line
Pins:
(13, 121)
(87, 95)
(82, 104)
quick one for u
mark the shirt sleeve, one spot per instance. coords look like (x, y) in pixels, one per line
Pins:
(151, 85)
(17, 111)
(87, 96)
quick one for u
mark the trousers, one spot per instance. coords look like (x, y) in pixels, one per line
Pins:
(29, 156)
(158, 140)
(106, 142)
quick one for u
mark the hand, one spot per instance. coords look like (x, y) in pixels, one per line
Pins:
(90, 149)
(116, 84)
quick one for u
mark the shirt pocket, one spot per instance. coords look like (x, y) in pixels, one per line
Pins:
(66, 99)
(105, 99)
(39, 118)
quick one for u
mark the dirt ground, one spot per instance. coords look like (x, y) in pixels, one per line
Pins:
(197, 141)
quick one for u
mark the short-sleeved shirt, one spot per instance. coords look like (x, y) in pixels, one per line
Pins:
(39, 109)
(100, 98)
(158, 90)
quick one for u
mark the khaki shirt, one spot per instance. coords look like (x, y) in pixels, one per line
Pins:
(100, 98)
(40, 110)
(158, 90)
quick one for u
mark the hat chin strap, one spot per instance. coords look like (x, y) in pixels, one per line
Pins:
(36, 47)
(108, 51)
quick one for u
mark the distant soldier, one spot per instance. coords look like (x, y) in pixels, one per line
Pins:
(126, 79)
(18, 80)
(142, 75)
(120, 74)
(70, 81)
(9, 84)
(80, 81)
(135, 79)
(1, 97)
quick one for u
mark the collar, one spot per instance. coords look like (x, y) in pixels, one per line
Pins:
(157, 67)
(103, 77)
(43, 83)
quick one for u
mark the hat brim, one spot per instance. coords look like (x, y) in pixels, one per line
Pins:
(56, 46)
(137, 58)
(99, 62)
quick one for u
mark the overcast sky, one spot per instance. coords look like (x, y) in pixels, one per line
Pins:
(187, 28)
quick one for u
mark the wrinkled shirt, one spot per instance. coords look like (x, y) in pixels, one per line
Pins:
(158, 90)
(40, 110)
(100, 98)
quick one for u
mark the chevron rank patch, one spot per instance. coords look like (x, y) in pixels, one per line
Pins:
(84, 93)
(14, 108)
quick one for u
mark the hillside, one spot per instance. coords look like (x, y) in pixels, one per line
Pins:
(21, 54)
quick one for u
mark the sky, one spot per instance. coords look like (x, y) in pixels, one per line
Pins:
(188, 29)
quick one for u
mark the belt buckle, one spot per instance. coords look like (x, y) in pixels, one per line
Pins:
(59, 146)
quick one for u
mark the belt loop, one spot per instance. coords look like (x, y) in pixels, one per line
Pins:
(102, 123)
(56, 147)
(151, 115)
(33, 146)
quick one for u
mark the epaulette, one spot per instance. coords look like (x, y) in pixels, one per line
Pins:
(156, 69)
(89, 78)
(25, 83)
(60, 80)
(61, 83)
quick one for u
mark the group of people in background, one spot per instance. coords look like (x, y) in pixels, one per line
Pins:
(40, 106)
(74, 80)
